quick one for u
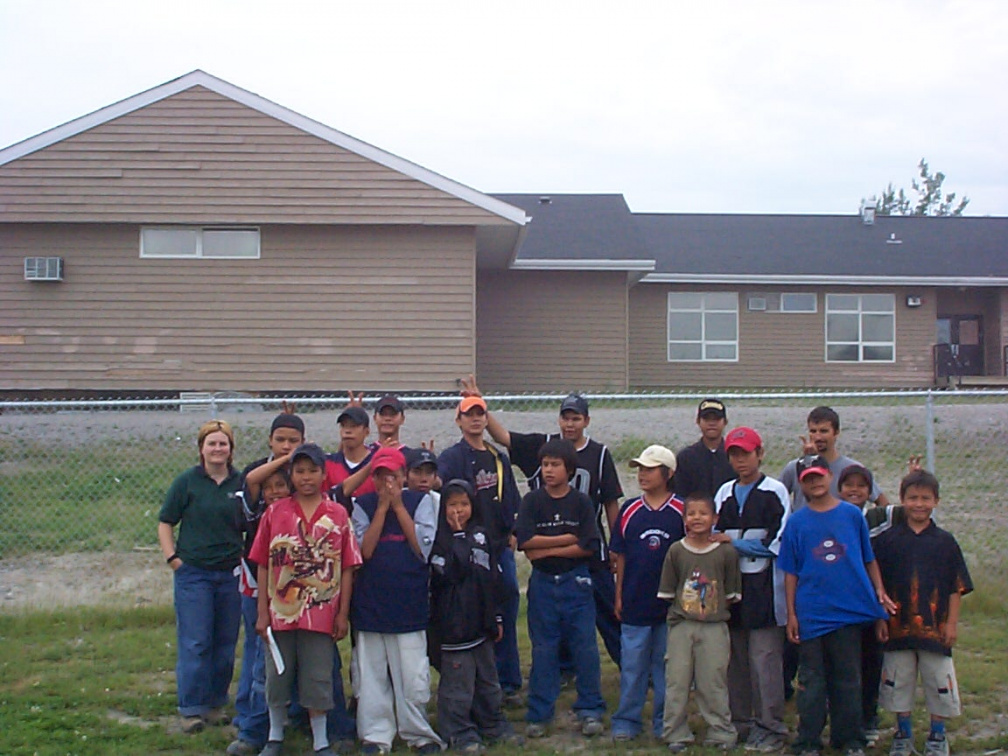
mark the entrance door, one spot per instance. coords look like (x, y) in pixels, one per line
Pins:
(959, 349)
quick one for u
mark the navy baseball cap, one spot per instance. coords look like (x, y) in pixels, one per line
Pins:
(355, 416)
(574, 402)
(389, 400)
(419, 457)
(311, 451)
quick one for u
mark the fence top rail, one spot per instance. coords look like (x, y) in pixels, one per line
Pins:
(449, 398)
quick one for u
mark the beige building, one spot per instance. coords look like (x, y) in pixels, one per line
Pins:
(199, 237)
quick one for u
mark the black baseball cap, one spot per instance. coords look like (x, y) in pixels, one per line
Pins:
(812, 465)
(712, 407)
(576, 403)
(287, 420)
(311, 451)
(419, 457)
(355, 416)
(389, 400)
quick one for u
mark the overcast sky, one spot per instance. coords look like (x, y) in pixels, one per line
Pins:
(731, 107)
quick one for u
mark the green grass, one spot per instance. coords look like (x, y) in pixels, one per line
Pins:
(99, 681)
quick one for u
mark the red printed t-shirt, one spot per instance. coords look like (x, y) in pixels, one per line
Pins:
(306, 559)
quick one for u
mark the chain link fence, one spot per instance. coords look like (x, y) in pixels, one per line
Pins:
(90, 476)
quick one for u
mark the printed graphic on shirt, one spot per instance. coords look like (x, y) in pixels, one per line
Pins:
(829, 551)
(486, 480)
(306, 567)
(922, 618)
(699, 594)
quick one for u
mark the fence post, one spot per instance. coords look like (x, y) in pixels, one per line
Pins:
(213, 406)
(929, 414)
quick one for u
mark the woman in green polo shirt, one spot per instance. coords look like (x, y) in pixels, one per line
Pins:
(203, 504)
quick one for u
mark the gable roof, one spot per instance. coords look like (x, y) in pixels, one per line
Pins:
(269, 108)
(579, 232)
(821, 249)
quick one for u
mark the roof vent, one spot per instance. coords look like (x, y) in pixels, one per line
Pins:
(893, 240)
(868, 211)
(544, 200)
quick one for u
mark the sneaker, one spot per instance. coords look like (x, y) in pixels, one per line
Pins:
(901, 747)
(535, 730)
(473, 748)
(272, 748)
(872, 735)
(622, 737)
(371, 748)
(241, 747)
(592, 726)
(510, 738)
(854, 751)
(677, 747)
(770, 742)
(429, 748)
(327, 751)
(513, 700)
(936, 747)
(192, 725)
(217, 718)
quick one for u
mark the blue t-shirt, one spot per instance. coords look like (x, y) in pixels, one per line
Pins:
(643, 536)
(828, 552)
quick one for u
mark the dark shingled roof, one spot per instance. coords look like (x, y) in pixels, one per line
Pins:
(578, 227)
(601, 227)
(838, 245)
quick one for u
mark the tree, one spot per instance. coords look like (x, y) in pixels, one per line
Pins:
(929, 197)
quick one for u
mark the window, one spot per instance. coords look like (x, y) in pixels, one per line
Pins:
(215, 242)
(702, 326)
(798, 302)
(860, 328)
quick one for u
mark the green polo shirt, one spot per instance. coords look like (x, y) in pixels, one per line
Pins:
(207, 515)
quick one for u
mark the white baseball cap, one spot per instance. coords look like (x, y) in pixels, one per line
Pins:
(655, 456)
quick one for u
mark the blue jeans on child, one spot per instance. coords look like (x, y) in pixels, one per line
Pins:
(207, 617)
(506, 651)
(252, 715)
(563, 606)
(643, 656)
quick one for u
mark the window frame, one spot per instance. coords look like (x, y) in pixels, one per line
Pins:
(200, 231)
(815, 302)
(703, 341)
(861, 343)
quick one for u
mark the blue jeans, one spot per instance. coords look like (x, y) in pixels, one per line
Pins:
(252, 719)
(207, 616)
(604, 586)
(563, 606)
(643, 654)
(340, 724)
(506, 650)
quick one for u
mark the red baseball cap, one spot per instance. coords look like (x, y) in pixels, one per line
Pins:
(387, 458)
(744, 438)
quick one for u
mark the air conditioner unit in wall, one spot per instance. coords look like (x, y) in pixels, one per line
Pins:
(43, 268)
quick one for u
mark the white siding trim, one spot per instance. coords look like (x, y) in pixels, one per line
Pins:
(269, 108)
(823, 280)
(574, 264)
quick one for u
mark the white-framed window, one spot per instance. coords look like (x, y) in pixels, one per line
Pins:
(702, 326)
(216, 242)
(860, 328)
(798, 301)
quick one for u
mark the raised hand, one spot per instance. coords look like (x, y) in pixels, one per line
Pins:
(288, 409)
(468, 386)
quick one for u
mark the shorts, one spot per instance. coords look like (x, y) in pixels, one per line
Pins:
(937, 674)
(309, 655)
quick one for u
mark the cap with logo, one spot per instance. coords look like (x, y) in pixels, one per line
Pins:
(712, 407)
(576, 403)
(419, 457)
(387, 458)
(743, 438)
(812, 465)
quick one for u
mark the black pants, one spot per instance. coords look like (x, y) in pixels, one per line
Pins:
(829, 669)
(469, 697)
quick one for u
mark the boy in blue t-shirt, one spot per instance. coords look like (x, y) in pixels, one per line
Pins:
(644, 529)
(833, 587)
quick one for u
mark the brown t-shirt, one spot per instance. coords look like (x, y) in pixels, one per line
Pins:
(700, 583)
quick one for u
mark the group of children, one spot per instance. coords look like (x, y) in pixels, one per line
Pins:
(413, 554)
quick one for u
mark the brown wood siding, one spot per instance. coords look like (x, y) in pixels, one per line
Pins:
(199, 157)
(551, 331)
(326, 308)
(776, 349)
